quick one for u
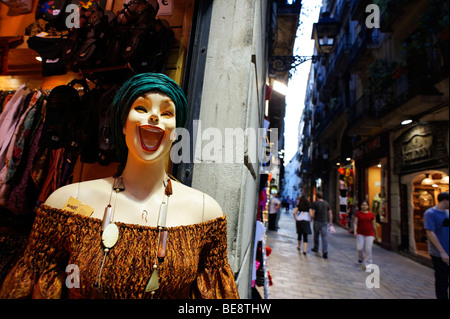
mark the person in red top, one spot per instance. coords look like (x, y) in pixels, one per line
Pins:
(365, 232)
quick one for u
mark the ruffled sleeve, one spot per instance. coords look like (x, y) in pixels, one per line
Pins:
(215, 278)
(39, 273)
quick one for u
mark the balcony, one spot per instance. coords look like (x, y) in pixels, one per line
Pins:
(337, 64)
(329, 119)
(319, 81)
(395, 13)
(408, 92)
(342, 53)
(330, 81)
(360, 52)
(362, 117)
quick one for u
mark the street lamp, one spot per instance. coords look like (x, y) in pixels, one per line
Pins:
(324, 33)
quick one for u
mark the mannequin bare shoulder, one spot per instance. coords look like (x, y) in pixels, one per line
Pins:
(85, 192)
(59, 197)
(195, 204)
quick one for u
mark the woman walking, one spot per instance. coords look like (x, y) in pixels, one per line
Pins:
(365, 232)
(302, 220)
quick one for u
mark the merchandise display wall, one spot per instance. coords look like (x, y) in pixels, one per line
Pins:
(36, 160)
(346, 195)
(29, 71)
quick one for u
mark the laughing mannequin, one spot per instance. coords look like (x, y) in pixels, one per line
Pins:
(125, 255)
(150, 124)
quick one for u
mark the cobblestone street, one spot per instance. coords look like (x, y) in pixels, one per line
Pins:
(298, 276)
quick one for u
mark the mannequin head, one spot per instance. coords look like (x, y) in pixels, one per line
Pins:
(149, 127)
(139, 86)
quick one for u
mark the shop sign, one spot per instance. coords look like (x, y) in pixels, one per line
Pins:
(165, 7)
(420, 146)
(416, 144)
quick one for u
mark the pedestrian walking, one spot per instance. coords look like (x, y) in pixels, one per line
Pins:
(436, 224)
(302, 222)
(291, 203)
(365, 231)
(285, 205)
(322, 216)
(274, 207)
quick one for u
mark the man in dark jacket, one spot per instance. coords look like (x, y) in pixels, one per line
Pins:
(323, 216)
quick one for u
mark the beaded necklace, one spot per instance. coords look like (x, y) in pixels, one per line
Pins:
(110, 233)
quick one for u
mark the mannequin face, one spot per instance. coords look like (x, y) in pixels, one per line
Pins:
(149, 125)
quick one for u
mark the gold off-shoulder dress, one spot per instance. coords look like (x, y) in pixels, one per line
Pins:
(195, 265)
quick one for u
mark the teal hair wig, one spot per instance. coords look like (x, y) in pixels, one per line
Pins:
(135, 87)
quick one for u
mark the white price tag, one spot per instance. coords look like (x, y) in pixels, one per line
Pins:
(165, 7)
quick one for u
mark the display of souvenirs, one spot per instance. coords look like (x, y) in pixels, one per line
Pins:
(425, 198)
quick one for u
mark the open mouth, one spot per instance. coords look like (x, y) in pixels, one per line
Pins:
(151, 137)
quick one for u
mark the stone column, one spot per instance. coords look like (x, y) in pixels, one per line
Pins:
(231, 112)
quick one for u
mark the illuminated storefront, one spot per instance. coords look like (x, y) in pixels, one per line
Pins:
(372, 183)
(421, 162)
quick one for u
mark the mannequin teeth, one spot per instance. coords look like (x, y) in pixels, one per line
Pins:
(151, 137)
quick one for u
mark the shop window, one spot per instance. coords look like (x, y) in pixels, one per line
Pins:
(346, 197)
(426, 188)
(376, 180)
(376, 193)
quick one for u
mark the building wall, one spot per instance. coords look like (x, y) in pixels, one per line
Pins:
(394, 205)
(233, 97)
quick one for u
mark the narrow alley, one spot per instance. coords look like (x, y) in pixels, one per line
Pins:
(298, 276)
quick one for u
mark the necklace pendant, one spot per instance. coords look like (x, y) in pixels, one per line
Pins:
(153, 282)
(162, 244)
(110, 236)
(118, 184)
(106, 217)
(162, 216)
(168, 191)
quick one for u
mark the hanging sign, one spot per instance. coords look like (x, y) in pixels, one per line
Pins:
(165, 7)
